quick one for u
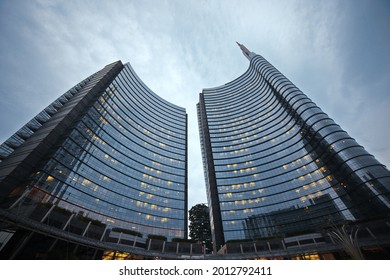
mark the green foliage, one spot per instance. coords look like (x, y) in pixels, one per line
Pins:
(183, 240)
(127, 231)
(157, 237)
(81, 217)
(200, 225)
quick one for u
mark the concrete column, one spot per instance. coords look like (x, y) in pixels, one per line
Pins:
(85, 231)
(119, 238)
(25, 193)
(163, 248)
(24, 242)
(47, 213)
(63, 228)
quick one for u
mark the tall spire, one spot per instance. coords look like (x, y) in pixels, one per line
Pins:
(245, 51)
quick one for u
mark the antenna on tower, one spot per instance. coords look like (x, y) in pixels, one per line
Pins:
(244, 50)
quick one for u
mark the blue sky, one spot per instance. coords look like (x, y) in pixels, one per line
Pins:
(336, 52)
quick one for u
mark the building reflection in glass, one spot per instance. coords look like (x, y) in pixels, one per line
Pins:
(275, 164)
(120, 167)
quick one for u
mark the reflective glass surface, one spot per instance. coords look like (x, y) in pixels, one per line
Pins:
(281, 165)
(123, 164)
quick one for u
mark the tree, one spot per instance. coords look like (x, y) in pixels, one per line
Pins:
(200, 225)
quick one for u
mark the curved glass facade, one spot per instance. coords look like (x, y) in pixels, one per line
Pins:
(121, 166)
(275, 164)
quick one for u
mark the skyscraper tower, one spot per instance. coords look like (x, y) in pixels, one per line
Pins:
(275, 164)
(107, 160)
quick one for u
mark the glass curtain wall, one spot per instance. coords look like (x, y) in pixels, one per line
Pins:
(122, 166)
(275, 164)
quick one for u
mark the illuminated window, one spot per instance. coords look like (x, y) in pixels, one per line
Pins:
(85, 182)
(103, 120)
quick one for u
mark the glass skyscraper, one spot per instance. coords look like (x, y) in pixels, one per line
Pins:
(102, 173)
(107, 160)
(276, 165)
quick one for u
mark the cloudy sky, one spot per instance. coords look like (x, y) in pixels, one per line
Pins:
(336, 52)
